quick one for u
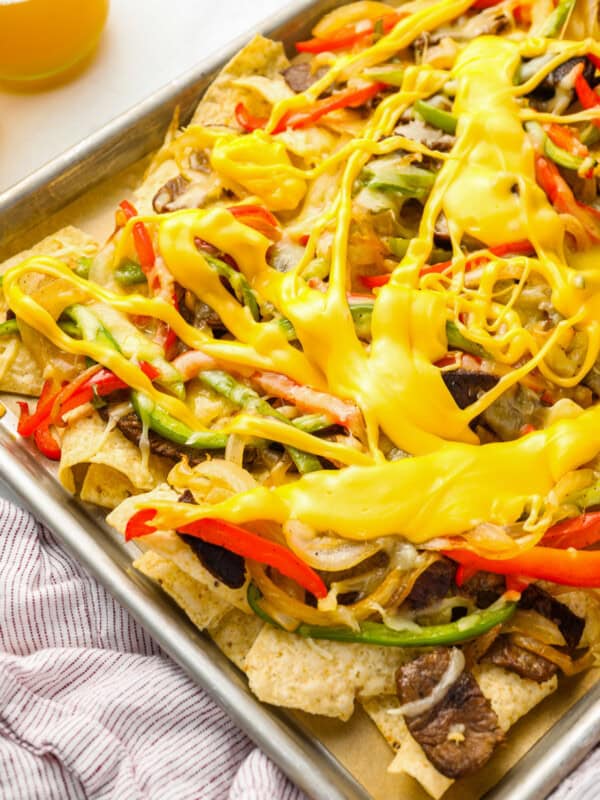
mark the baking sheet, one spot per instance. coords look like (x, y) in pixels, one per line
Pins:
(311, 750)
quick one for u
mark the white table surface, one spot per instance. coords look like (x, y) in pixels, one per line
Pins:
(146, 44)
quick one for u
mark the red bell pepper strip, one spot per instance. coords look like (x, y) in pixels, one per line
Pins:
(586, 95)
(350, 98)
(239, 541)
(480, 5)
(259, 218)
(307, 399)
(567, 139)
(566, 567)
(594, 59)
(520, 248)
(248, 121)
(129, 210)
(29, 422)
(349, 35)
(578, 532)
(141, 238)
(562, 198)
(68, 391)
(46, 443)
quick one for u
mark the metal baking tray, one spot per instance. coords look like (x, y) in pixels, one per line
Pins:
(82, 531)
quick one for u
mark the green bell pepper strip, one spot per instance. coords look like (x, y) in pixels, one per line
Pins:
(377, 633)
(457, 340)
(129, 274)
(556, 22)
(392, 74)
(92, 330)
(436, 116)
(224, 384)
(9, 328)
(311, 423)
(239, 284)
(387, 176)
(362, 312)
(561, 157)
(161, 422)
(555, 153)
(83, 266)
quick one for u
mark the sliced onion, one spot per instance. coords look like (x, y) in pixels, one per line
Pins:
(453, 672)
(563, 661)
(324, 551)
(532, 624)
(234, 450)
(211, 481)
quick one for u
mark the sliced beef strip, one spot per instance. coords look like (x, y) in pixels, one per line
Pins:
(300, 77)
(516, 407)
(568, 623)
(433, 584)
(418, 131)
(516, 659)
(464, 709)
(131, 427)
(163, 200)
(225, 566)
(465, 387)
(484, 587)
(547, 87)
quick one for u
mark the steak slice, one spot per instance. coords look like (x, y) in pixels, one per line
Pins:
(458, 734)
(225, 566)
(568, 623)
(433, 584)
(516, 659)
(484, 587)
(131, 427)
(300, 77)
(466, 387)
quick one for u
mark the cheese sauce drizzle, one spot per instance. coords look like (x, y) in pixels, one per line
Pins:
(486, 188)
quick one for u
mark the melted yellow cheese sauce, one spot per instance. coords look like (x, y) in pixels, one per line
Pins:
(487, 189)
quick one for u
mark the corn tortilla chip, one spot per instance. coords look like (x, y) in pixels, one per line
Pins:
(88, 440)
(20, 372)
(201, 605)
(319, 677)
(261, 57)
(105, 486)
(235, 634)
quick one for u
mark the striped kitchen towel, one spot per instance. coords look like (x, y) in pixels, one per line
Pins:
(89, 705)
(91, 709)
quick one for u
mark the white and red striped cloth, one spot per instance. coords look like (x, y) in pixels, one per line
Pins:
(89, 705)
(91, 709)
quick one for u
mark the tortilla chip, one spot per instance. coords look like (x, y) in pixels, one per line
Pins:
(262, 57)
(319, 677)
(171, 546)
(235, 634)
(105, 486)
(511, 697)
(201, 605)
(68, 244)
(89, 441)
(20, 373)
(410, 757)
